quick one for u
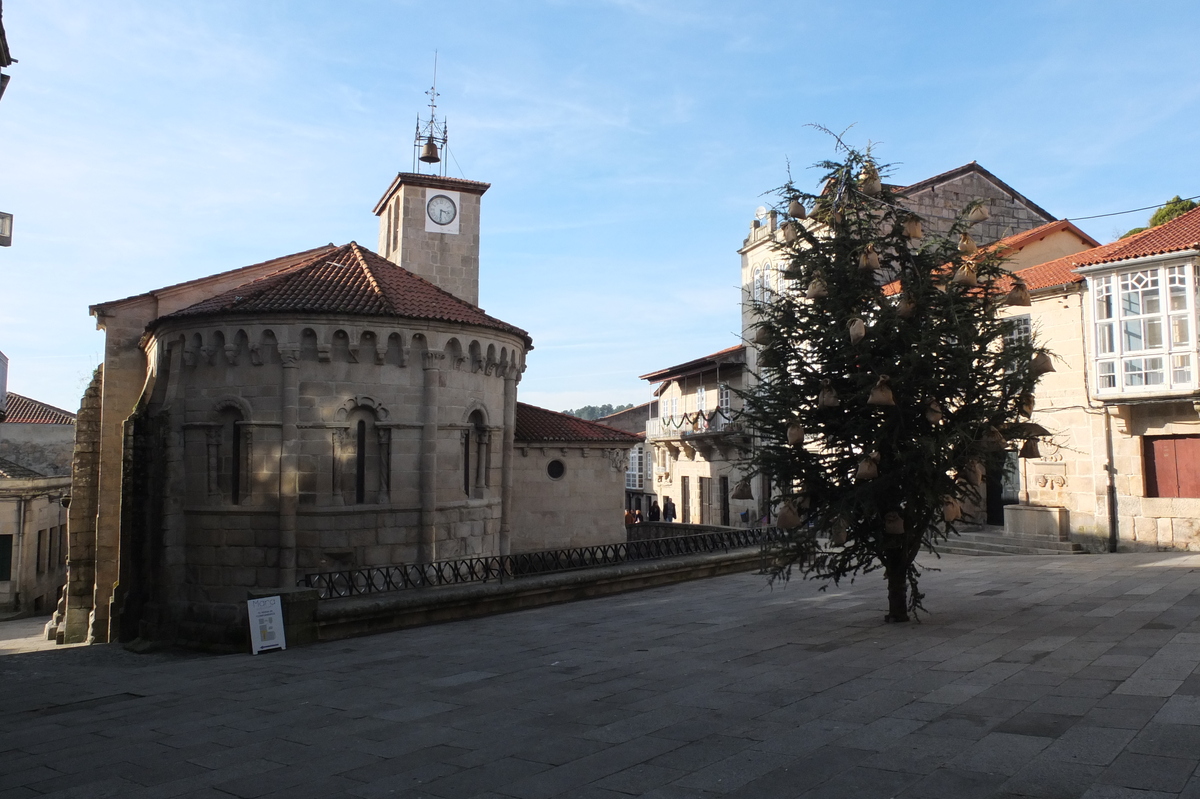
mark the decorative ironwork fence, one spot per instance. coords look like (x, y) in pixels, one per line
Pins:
(379, 579)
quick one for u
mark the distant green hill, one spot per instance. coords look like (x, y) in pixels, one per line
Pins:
(596, 411)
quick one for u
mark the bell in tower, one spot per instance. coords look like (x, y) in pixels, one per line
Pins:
(429, 151)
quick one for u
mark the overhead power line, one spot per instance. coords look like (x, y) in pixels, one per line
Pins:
(1131, 210)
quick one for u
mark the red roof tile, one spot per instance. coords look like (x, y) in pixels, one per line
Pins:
(1181, 233)
(349, 280)
(1018, 241)
(23, 410)
(539, 424)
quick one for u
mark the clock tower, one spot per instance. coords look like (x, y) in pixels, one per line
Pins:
(429, 224)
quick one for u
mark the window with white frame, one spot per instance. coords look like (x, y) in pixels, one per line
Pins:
(759, 286)
(634, 472)
(1145, 336)
(701, 399)
(723, 398)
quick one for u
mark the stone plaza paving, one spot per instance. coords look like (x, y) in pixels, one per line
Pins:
(1072, 676)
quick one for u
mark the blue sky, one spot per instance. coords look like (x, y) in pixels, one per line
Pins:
(628, 143)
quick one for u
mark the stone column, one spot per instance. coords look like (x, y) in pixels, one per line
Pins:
(511, 376)
(289, 462)
(427, 550)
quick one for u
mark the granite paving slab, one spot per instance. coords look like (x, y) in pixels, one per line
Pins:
(1029, 676)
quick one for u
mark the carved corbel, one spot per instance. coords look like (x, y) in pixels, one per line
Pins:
(256, 358)
(290, 355)
(231, 354)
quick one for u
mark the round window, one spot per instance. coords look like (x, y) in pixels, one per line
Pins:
(556, 469)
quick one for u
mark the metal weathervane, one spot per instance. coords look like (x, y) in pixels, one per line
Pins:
(431, 136)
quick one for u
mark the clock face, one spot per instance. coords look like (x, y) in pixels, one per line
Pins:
(441, 209)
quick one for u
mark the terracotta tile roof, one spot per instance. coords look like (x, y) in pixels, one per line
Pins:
(1016, 242)
(23, 410)
(15, 471)
(1181, 233)
(274, 264)
(735, 355)
(539, 424)
(349, 280)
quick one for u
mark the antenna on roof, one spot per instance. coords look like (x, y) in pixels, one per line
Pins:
(431, 135)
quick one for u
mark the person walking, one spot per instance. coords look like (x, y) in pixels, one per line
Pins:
(628, 517)
(637, 516)
(668, 510)
(655, 511)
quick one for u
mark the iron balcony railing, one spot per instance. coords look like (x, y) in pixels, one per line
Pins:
(380, 579)
(691, 423)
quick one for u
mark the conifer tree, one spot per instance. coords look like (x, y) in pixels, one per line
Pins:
(889, 380)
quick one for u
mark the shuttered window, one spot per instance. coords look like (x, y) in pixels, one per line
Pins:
(1172, 466)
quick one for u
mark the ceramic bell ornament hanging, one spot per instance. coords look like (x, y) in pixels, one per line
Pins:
(978, 214)
(796, 210)
(1019, 294)
(837, 531)
(817, 288)
(893, 523)
(967, 245)
(933, 411)
(869, 258)
(972, 473)
(1030, 449)
(742, 490)
(858, 330)
(788, 517)
(868, 180)
(1027, 402)
(762, 335)
(992, 440)
(789, 233)
(868, 467)
(951, 510)
(1041, 364)
(912, 228)
(795, 433)
(905, 307)
(881, 393)
(828, 397)
(965, 276)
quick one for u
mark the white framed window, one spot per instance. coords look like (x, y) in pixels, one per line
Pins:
(1144, 330)
(759, 285)
(723, 398)
(634, 473)
(701, 399)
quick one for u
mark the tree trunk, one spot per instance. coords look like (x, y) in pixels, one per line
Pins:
(896, 569)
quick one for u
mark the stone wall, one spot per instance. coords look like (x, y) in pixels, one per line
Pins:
(45, 448)
(584, 507)
(940, 204)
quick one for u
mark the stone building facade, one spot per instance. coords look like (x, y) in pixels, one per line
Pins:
(1121, 469)
(326, 410)
(35, 457)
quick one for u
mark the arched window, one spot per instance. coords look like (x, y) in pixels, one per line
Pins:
(758, 285)
(475, 456)
(365, 479)
(360, 462)
(231, 454)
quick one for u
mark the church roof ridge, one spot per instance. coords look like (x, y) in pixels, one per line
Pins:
(350, 280)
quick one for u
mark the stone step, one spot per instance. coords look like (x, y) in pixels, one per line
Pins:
(1037, 542)
(989, 544)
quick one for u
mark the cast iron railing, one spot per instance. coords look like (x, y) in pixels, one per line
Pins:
(379, 579)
